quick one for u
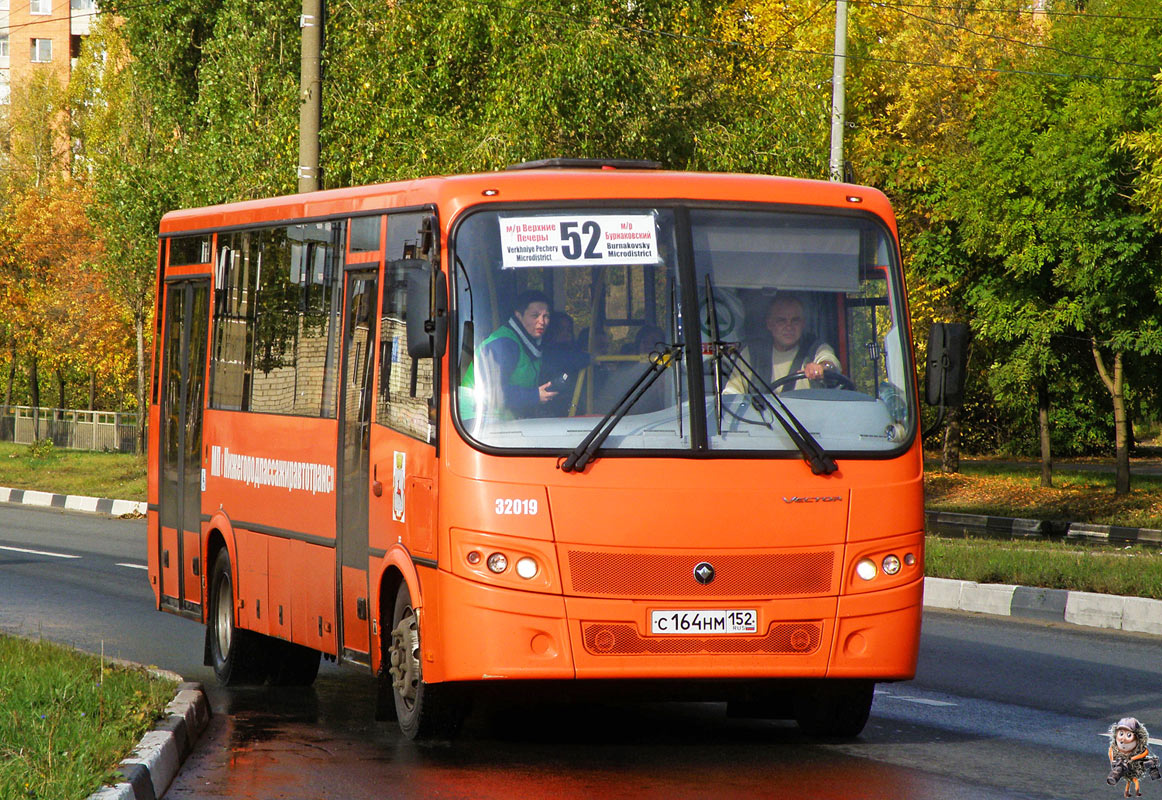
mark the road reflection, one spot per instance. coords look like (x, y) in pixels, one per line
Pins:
(323, 742)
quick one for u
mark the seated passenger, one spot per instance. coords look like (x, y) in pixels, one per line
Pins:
(563, 360)
(788, 350)
(504, 380)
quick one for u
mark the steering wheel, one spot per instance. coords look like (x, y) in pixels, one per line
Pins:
(831, 378)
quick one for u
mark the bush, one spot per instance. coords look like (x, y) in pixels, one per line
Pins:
(42, 449)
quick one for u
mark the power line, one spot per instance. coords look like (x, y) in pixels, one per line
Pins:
(720, 43)
(1019, 42)
(1046, 12)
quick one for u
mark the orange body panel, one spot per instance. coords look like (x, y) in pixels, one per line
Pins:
(784, 541)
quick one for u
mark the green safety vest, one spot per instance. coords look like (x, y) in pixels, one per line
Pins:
(526, 374)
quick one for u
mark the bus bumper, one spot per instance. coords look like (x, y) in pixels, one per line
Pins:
(877, 634)
(497, 633)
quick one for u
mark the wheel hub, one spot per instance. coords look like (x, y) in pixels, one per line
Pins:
(405, 657)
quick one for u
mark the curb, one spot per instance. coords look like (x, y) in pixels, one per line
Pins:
(1133, 614)
(947, 523)
(150, 769)
(73, 502)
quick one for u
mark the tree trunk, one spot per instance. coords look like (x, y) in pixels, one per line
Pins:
(60, 383)
(1043, 424)
(11, 378)
(92, 391)
(142, 379)
(951, 460)
(1116, 387)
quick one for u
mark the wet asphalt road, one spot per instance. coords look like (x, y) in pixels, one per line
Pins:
(998, 710)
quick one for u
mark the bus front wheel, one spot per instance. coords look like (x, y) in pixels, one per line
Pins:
(237, 656)
(834, 709)
(424, 710)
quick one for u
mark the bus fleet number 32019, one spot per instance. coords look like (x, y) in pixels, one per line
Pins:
(702, 621)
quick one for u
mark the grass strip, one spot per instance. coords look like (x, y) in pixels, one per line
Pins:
(119, 476)
(1129, 572)
(68, 718)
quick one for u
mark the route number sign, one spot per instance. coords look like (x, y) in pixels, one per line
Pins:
(583, 240)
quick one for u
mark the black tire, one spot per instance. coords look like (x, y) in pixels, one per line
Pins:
(292, 664)
(239, 657)
(835, 709)
(424, 710)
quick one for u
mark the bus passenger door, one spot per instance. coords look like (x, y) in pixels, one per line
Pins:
(361, 315)
(180, 468)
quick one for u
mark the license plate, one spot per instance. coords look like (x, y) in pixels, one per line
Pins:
(704, 622)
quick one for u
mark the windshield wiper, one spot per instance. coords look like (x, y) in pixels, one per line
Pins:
(813, 453)
(583, 453)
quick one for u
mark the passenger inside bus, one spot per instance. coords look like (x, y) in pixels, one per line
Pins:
(563, 360)
(504, 380)
(790, 348)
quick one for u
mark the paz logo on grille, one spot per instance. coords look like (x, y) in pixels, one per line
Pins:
(704, 573)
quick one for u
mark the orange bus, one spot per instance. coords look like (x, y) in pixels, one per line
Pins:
(540, 427)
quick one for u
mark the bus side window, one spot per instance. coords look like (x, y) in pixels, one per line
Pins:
(395, 406)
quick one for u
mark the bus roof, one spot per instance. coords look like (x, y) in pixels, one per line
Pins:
(453, 193)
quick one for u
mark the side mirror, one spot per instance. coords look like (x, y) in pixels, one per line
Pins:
(947, 360)
(427, 309)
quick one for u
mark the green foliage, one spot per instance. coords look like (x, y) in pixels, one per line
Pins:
(1029, 193)
(42, 450)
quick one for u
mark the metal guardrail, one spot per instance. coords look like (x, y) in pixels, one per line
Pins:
(114, 431)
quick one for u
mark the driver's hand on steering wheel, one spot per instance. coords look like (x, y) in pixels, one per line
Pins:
(814, 372)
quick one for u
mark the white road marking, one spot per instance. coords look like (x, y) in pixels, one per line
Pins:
(37, 552)
(923, 701)
(134, 566)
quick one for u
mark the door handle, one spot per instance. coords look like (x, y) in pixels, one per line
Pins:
(377, 488)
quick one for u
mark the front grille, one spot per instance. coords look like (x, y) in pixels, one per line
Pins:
(766, 575)
(622, 639)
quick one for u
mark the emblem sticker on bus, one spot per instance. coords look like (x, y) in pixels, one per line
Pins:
(581, 240)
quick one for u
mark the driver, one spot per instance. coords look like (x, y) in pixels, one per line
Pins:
(788, 351)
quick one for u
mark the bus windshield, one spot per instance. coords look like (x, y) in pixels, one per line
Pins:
(745, 314)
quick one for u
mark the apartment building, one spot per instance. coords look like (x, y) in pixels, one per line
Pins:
(41, 34)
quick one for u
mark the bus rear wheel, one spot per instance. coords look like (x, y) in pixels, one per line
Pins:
(423, 710)
(237, 656)
(292, 664)
(834, 709)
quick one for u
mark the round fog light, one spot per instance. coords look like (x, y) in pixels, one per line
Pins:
(526, 568)
(474, 557)
(866, 569)
(891, 565)
(498, 562)
(909, 559)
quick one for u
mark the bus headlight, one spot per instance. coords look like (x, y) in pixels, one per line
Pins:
(526, 568)
(866, 569)
(498, 562)
(891, 565)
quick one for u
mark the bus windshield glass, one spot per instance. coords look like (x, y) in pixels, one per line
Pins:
(728, 317)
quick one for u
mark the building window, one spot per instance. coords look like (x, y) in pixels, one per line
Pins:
(3, 45)
(40, 7)
(41, 51)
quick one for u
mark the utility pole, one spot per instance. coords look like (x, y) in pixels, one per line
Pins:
(838, 70)
(310, 94)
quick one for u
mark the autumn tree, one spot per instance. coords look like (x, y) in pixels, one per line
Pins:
(1044, 196)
